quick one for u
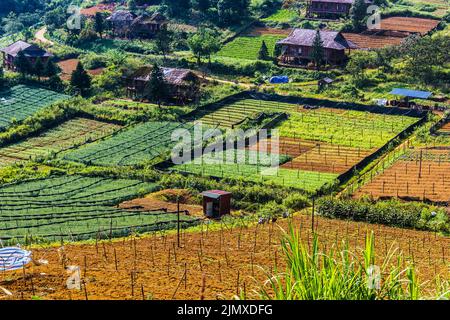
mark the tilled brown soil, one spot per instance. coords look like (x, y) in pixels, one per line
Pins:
(421, 180)
(226, 261)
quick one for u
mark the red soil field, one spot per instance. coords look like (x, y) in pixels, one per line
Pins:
(364, 41)
(90, 12)
(315, 156)
(69, 65)
(329, 158)
(150, 202)
(445, 128)
(426, 179)
(407, 24)
(260, 31)
(227, 260)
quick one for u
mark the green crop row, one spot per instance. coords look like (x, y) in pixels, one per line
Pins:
(247, 47)
(20, 102)
(142, 143)
(74, 207)
(71, 133)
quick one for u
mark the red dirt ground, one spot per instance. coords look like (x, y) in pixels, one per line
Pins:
(227, 260)
(90, 12)
(150, 202)
(364, 41)
(260, 31)
(407, 24)
(68, 66)
(445, 128)
(314, 156)
(429, 179)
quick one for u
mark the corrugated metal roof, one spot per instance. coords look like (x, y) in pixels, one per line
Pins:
(31, 50)
(215, 194)
(411, 93)
(330, 39)
(171, 75)
(121, 15)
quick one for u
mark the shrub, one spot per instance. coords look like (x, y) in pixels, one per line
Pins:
(272, 210)
(296, 202)
(391, 213)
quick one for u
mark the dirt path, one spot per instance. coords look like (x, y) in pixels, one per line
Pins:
(40, 36)
(227, 261)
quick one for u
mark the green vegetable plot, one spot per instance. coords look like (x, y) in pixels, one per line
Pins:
(76, 207)
(21, 102)
(142, 143)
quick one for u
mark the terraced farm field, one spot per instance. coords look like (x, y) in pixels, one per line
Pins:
(314, 156)
(409, 24)
(248, 46)
(364, 41)
(229, 114)
(21, 102)
(71, 133)
(302, 179)
(321, 143)
(282, 15)
(76, 207)
(349, 128)
(140, 144)
(419, 174)
(445, 129)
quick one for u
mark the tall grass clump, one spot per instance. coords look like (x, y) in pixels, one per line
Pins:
(340, 274)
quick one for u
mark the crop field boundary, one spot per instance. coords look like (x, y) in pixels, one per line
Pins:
(393, 143)
(211, 107)
(438, 125)
(166, 164)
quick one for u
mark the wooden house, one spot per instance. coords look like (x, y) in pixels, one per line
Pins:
(147, 26)
(183, 84)
(120, 22)
(330, 8)
(31, 52)
(296, 49)
(126, 25)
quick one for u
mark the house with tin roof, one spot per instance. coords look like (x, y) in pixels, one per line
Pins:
(183, 84)
(296, 49)
(31, 51)
(330, 8)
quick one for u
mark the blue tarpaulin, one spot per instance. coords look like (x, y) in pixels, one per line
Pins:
(279, 79)
(411, 93)
(13, 258)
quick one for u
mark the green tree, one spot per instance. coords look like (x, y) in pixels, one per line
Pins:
(50, 68)
(2, 78)
(38, 68)
(263, 52)
(55, 83)
(156, 88)
(358, 14)
(317, 53)
(164, 40)
(177, 8)
(23, 65)
(27, 34)
(99, 24)
(80, 80)
(12, 25)
(204, 43)
(55, 18)
(132, 5)
(359, 62)
(232, 11)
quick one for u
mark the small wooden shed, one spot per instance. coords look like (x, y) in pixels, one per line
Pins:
(216, 203)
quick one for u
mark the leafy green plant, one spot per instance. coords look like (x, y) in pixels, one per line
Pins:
(340, 274)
